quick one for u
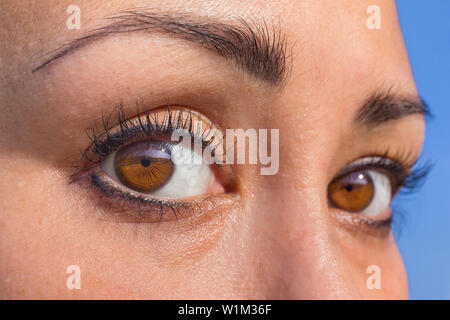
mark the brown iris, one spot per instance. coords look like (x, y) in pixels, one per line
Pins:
(351, 192)
(144, 166)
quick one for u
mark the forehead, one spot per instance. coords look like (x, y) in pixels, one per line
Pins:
(336, 61)
(316, 28)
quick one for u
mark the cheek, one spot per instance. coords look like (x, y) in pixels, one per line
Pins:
(42, 234)
(375, 261)
(393, 279)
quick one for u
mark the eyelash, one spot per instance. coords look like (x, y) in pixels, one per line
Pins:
(129, 203)
(109, 140)
(412, 183)
(409, 176)
(125, 132)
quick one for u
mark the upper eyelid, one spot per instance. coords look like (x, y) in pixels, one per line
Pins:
(128, 128)
(406, 160)
(393, 167)
(367, 162)
(410, 174)
(375, 161)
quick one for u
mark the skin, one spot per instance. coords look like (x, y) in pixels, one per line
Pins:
(278, 238)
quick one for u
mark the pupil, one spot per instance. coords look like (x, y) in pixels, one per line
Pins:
(349, 187)
(145, 162)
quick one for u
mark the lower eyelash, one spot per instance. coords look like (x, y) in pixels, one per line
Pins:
(143, 126)
(133, 208)
(138, 206)
(379, 228)
(408, 183)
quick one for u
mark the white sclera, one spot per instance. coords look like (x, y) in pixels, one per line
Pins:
(382, 194)
(189, 178)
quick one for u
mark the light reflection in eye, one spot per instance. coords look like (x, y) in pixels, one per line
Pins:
(149, 167)
(367, 192)
(352, 192)
(143, 166)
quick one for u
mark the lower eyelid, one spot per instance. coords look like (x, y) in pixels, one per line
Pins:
(123, 206)
(353, 222)
(136, 208)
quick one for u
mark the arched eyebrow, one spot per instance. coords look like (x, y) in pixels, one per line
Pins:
(384, 106)
(258, 49)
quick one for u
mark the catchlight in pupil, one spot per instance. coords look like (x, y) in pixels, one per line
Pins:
(145, 162)
(144, 166)
(352, 192)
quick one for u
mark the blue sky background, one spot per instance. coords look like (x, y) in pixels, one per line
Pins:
(425, 236)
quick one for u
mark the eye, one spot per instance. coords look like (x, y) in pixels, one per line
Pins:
(153, 164)
(153, 168)
(142, 166)
(367, 192)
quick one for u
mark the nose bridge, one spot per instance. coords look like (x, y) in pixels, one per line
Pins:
(300, 244)
(307, 259)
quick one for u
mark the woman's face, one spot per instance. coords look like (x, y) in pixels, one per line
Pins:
(85, 183)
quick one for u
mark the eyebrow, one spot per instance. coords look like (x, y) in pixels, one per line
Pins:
(384, 106)
(258, 49)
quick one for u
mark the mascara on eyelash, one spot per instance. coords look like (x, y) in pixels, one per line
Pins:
(409, 176)
(146, 127)
(145, 124)
(123, 202)
(410, 171)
